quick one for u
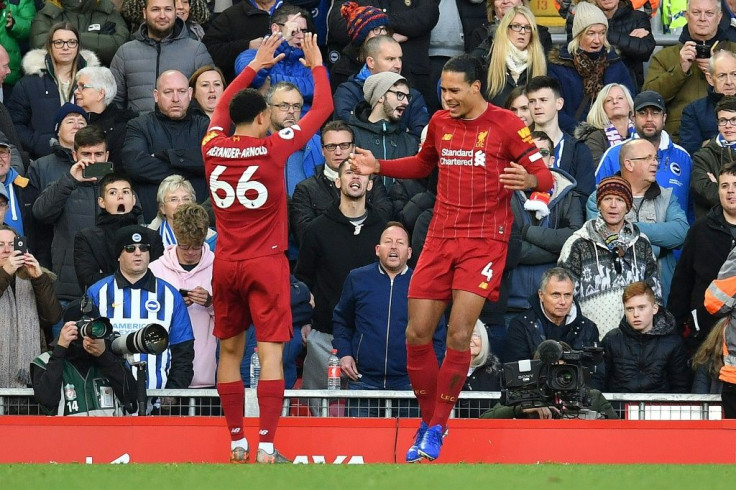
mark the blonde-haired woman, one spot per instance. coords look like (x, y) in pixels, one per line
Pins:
(609, 121)
(516, 56)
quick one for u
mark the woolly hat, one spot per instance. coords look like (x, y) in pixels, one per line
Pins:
(128, 235)
(65, 110)
(617, 186)
(362, 19)
(587, 14)
(376, 86)
(539, 202)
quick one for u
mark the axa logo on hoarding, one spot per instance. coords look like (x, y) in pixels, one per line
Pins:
(316, 459)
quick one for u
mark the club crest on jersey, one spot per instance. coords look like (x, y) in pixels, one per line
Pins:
(208, 137)
(525, 134)
(479, 159)
(481, 141)
(70, 393)
(152, 305)
(446, 137)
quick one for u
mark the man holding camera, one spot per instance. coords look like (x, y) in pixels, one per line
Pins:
(92, 380)
(133, 297)
(678, 72)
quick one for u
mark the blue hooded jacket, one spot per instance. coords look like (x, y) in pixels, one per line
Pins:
(289, 69)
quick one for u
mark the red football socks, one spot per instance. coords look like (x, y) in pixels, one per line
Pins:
(232, 397)
(421, 364)
(270, 399)
(450, 382)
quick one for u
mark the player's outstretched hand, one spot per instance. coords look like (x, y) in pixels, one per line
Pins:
(312, 54)
(264, 56)
(363, 162)
(516, 178)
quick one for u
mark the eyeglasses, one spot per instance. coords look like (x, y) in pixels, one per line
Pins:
(333, 146)
(4, 152)
(177, 200)
(401, 95)
(143, 247)
(648, 158)
(377, 31)
(298, 30)
(284, 107)
(82, 86)
(544, 153)
(187, 248)
(520, 28)
(59, 43)
(722, 121)
(649, 112)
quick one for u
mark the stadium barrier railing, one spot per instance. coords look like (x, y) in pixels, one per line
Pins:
(324, 403)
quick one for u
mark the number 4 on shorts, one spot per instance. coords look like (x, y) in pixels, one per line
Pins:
(487, 271)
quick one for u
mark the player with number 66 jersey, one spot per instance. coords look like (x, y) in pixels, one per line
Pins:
(250, 280)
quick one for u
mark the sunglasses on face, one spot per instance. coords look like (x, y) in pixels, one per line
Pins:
(143, 247)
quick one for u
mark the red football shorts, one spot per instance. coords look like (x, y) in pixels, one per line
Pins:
(467, 264)
(254, 291)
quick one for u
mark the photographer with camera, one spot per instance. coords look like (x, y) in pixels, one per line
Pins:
(554, 314)
(92, 380)
(548, 389)
(133, 297)
(28, 309)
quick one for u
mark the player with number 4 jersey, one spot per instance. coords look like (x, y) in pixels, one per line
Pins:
(484, 153)
(250, 279)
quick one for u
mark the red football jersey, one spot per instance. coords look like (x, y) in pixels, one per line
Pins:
(246, 174)
(471, 154)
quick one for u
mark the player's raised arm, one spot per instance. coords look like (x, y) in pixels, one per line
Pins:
(363, 162)
(264, 59)
(264, 56)
(312, 54)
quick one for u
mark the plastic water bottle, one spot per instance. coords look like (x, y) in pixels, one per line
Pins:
(255, 369)
(333, 371)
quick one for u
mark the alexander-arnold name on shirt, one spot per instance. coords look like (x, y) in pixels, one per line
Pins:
(228, 152)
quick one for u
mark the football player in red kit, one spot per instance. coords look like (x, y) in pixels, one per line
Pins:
(484, 153)
(250, 280)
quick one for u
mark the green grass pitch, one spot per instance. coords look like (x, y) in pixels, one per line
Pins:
(380, 476)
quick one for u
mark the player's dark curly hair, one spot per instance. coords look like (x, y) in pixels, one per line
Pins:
(469, 66)
(246, 105)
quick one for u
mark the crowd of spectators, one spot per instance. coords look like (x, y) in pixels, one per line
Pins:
(621, 251)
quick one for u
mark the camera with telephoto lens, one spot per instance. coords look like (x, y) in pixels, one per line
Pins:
(548, 382)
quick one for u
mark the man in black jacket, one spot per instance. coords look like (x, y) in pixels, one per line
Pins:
(706, 247)
(166, 142)
(94, 247)
(411, 22)
(645, 354)
(340, 240)
(553, 315)
(313, 196)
